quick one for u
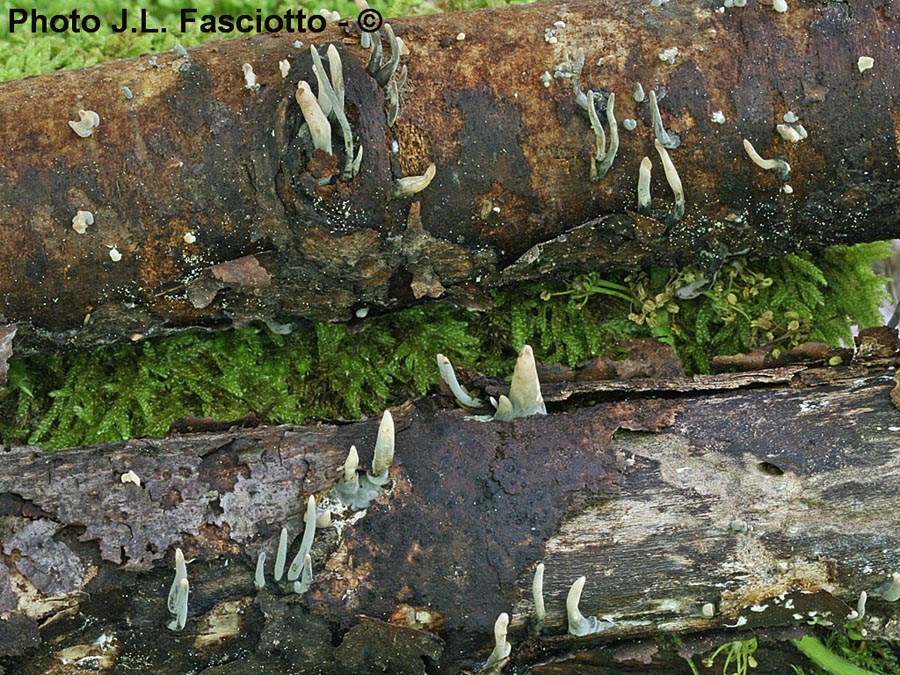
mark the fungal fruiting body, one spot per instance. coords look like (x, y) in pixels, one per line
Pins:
(281, 554)
(537, 594)
(448, 375)
(638, 94)
(578, 623)
(309, 531)
(780, 6)
(792, 133)
(890, 589)
(285, 67)
(334, 94)
(365, 38)
(718, 117)
(178, 593)
(384, 450)
(336, 71)
(605, 158)
(643, 188)
(249, 77)
(669, 139)
(319, 127)
(88, 120)
(410, 185)
(386, 71)
(502, 648)
(781, 168)
(189, 238)
(580, 98)
(259, 578)
(677, 212)
(525, 389)
(81, 220)
(864, 63)
(114, 254)
(131, 477)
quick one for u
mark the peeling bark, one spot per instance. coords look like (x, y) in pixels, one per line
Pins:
(780, 495)
(196, 153)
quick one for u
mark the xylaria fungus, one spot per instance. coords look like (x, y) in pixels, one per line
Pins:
(669, 55)
(178, 593)
(578, 623)
(781, 168)
(780, 6)
(285, 67)
(384, 73)
(393, 103)
(537, 594)
(319, 127)
(309, 531)
(401, 78)
(88, 120)
(580, 98)
(863, 63)
(677, 212)
(718, 117)
(281, 554)
(180, 51)
(329, 15)
(334, 94)
(524, 391)
(502, 648)
(131, 477)
(708, 610)
(859, 613)
(448, 375)
(81, 220)
(890, 589)
(300, 587)
(643, 188)
(792, 133)
(259, 578)
(249, 77)
(638, 94)
(189, 238)
(365, 38)
(410, 185)
(127, 92)
(669, 139)
(384, 450)
(601, 155)
(351, 465)
(629, 124)
(790, 117)
(376, 53)
(114, 254)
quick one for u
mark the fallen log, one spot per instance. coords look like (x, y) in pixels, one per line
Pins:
(763, 507)
(209, 207)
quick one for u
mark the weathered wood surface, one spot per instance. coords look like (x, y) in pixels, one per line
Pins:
(194, 151)
(664, 504)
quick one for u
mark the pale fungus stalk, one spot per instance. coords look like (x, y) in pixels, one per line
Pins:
(504, 409)
(780, 6)
(385, 72)
(410, 185)
(351, 465)
(384, 449)
(180, 573)
(365, 39)
(88, 120)
(502, 648)
(598, 172)
(643, 189)
(863, 64)
(597, 128)
(448, 375)
(669, 139)
(578, 623)
(324, 101)
(181, 606)
(638, 94)
(259, 578)
(81, 221)
(336, 106)
(781, 168)
(249, 77)
(393, 103)
(336, 70)
(319, 127)
(789, 133)
(281, 555)
(525, 389)
(306, 543)
(537, 593)
(376, 52)
(306, 576)
(401, 78)
(674, 181)
(580, 98)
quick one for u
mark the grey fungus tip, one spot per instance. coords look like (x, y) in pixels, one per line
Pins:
(319, 127)
(643, 188)
(410, 185)
(781, 168)
(677, 212)
(384, 449)
(306, 543)
(525, 389)
(448, 375)
(669, 139)
(578, 623)
(606, 161)
(351, 465)
(502, 648)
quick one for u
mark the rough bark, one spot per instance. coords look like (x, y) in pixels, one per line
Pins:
(769, 495)
(195, 151)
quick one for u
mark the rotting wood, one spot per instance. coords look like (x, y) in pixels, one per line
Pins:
(733, 498)
(202, 186)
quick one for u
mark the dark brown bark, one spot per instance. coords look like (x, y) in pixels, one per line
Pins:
(195, 151)
(774, 495)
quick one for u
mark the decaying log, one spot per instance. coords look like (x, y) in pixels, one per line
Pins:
(767, 503)
(209, 195)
